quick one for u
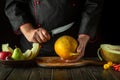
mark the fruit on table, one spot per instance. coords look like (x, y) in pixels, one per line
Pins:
(4, 54)
(65, 46)
(110, 52)
(116, 67)
(27, 54)
(6, 47)
(17, 54)
(33, 52)
(108, 65)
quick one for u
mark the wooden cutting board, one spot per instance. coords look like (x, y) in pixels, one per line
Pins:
(55, 62)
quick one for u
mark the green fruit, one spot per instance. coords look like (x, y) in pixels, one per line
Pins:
(6, 47)
(35, 50)
(109, 52)
(17, 54)
(27, 54)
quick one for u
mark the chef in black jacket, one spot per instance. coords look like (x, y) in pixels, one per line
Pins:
(34, 20)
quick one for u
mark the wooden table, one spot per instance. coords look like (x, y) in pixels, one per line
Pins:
(88, 72)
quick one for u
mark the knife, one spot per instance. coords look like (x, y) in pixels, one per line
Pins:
(61, 29)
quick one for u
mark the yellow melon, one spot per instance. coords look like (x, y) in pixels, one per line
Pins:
(65, 47)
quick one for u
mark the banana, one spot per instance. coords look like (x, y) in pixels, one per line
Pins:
(6, 47)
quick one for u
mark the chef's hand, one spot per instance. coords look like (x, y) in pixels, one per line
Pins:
(82, 42)
(39, 35)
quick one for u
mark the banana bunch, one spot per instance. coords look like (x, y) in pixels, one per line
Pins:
(17, 54)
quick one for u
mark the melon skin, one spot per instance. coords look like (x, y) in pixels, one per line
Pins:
(65, 47)
(110, 52)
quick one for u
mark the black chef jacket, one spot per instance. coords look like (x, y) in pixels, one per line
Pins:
(51, 14)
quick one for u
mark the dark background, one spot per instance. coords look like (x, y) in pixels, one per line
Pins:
(108, 30)
(110, 23)
(6, 33)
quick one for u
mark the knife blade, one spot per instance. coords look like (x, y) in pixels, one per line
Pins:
(61, 29)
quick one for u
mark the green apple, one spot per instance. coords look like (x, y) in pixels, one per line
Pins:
(6, 47)
(17, 54)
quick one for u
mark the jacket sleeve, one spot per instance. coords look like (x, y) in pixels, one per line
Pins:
(17, 12)
(90, 17)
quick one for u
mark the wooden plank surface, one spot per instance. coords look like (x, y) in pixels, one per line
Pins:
(19, 74)
(4, 72)
(87, 72)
